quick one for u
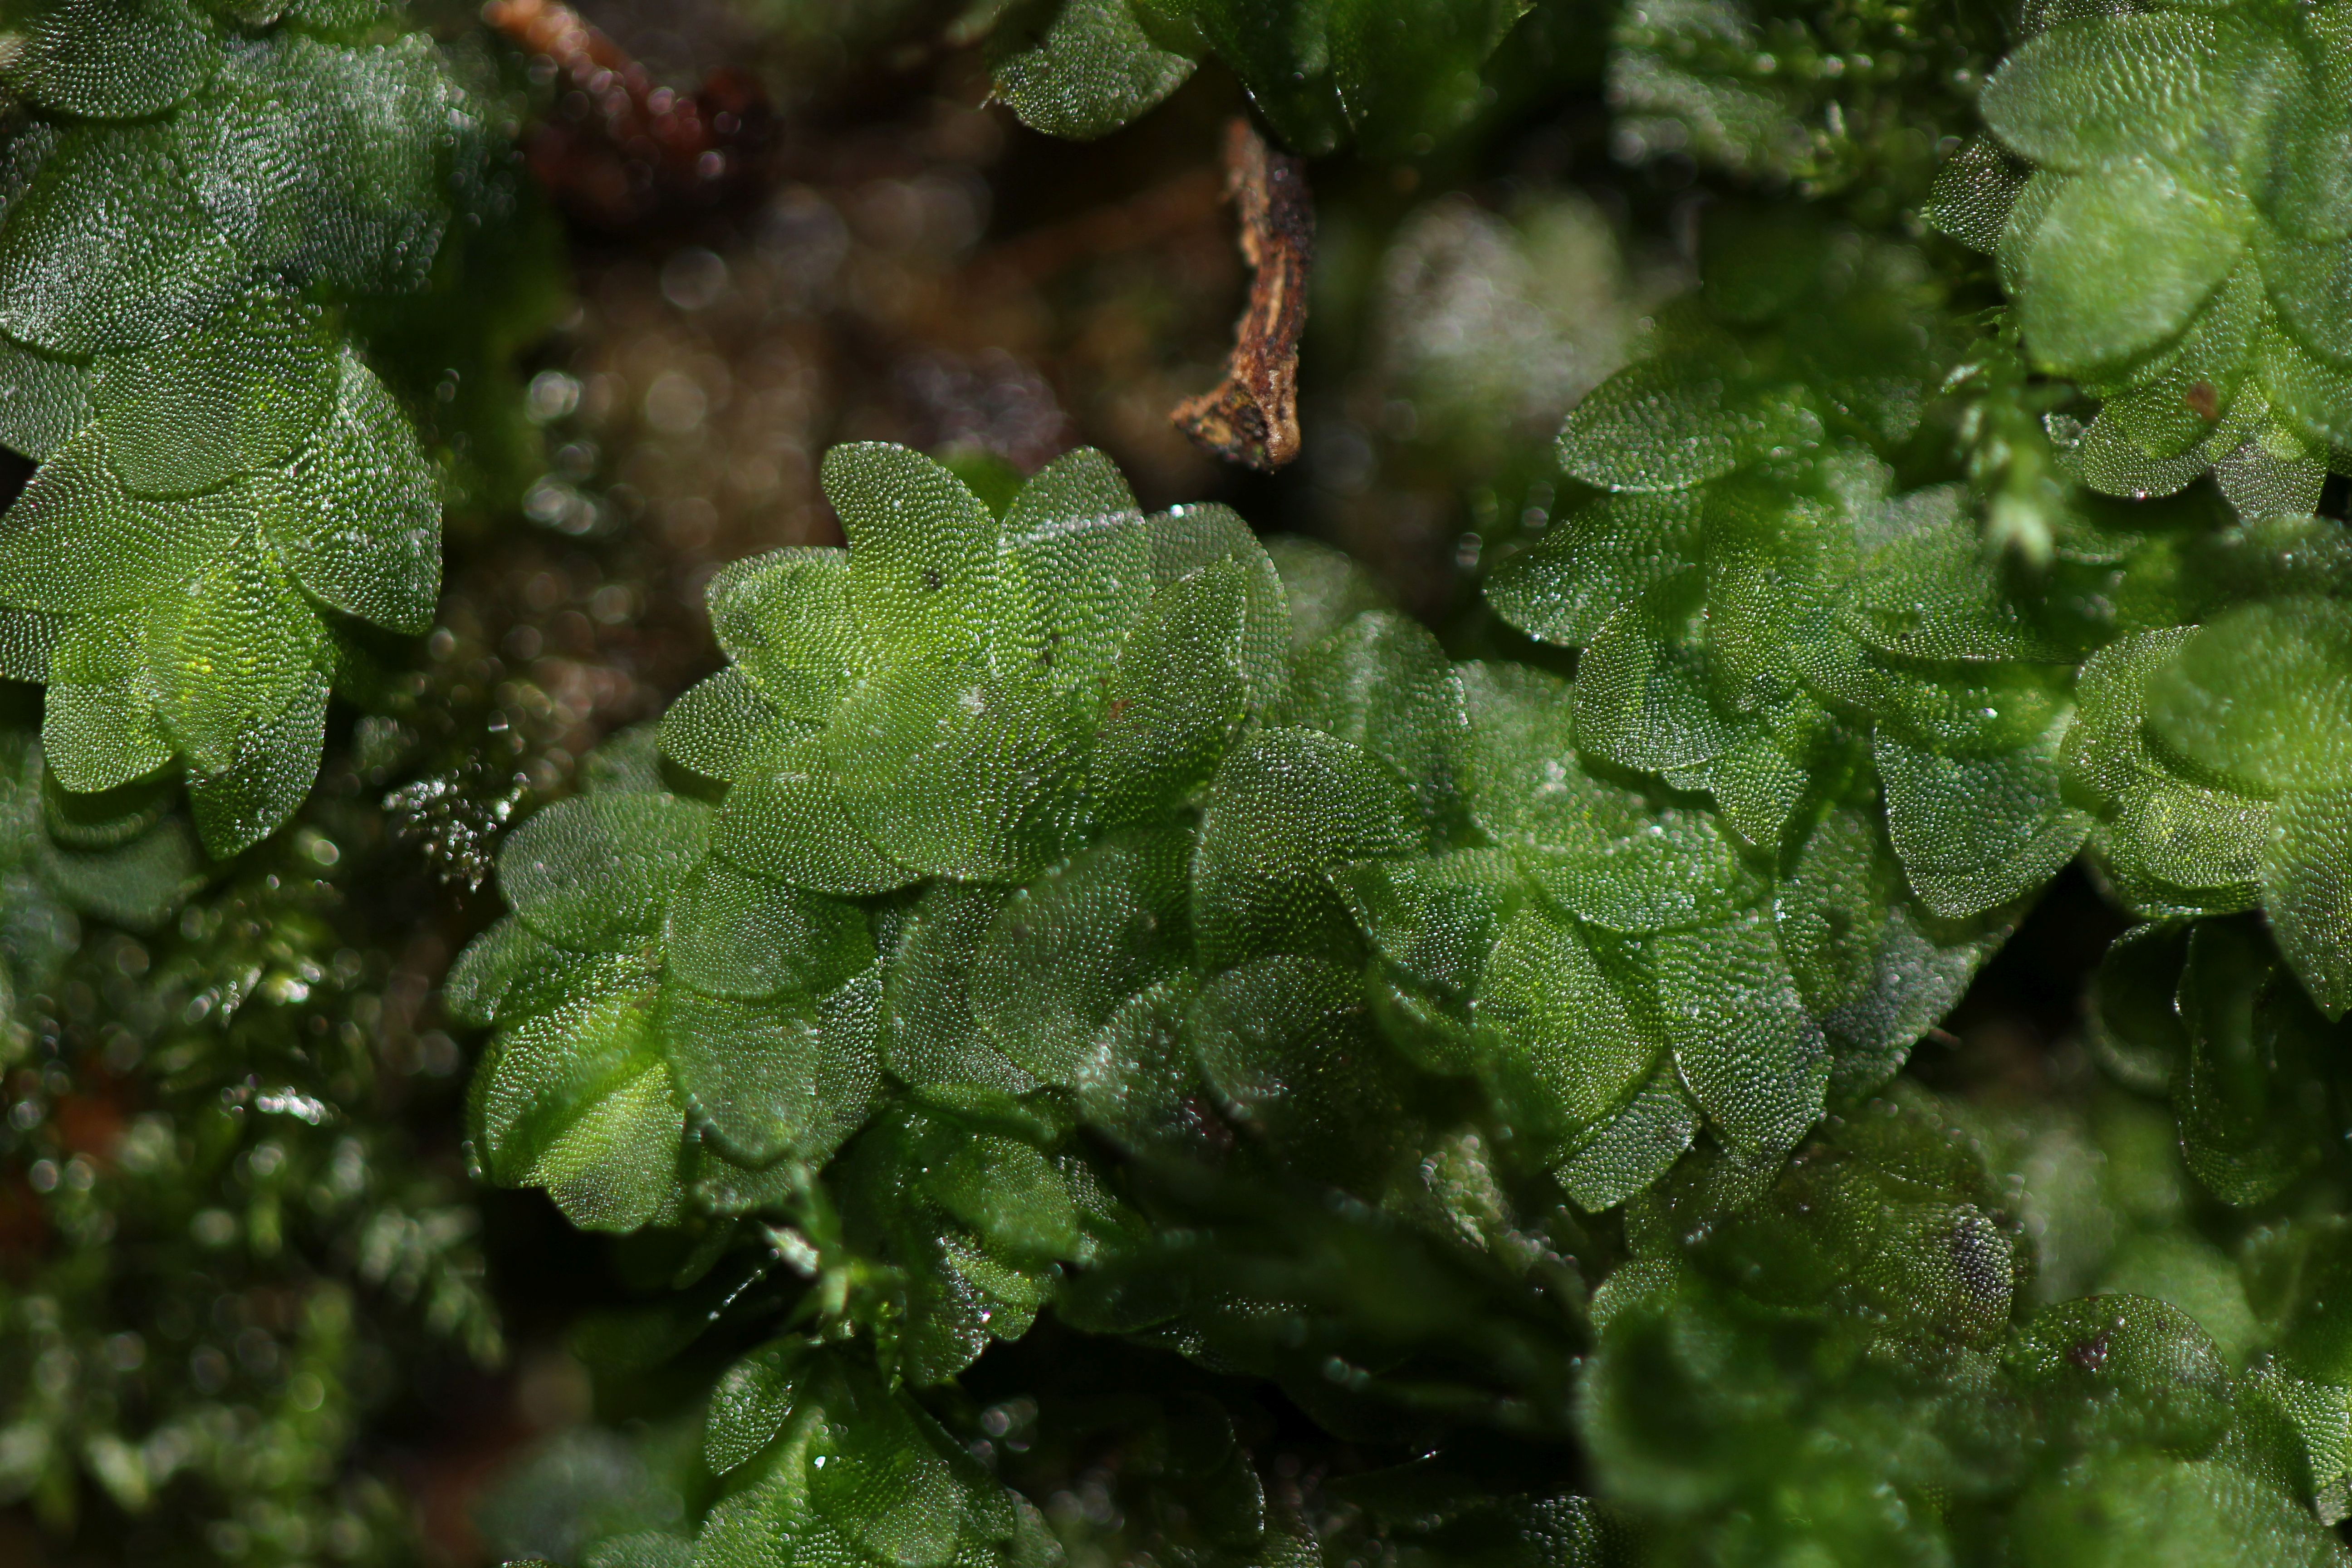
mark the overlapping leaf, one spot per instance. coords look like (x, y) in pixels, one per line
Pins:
(1852, 1367)
(2211, 751)
(227, 492)
(2196, 158)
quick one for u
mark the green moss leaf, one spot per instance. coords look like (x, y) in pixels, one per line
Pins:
(956, 771)
(1287, 806)
(1082, 68)
(578, 1103)
(922, 550)
(1291, 1052)
(1574, 1033)
(1071, 948)
(597, 873)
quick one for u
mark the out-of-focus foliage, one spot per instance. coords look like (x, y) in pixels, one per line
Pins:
(1320, 73)
(1844, 102)
(214, 1235)
(1853, 1369)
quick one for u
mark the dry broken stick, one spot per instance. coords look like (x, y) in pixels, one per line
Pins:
(1252, 416)
(639, 147)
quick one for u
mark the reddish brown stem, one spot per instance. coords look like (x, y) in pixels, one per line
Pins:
(641, 143)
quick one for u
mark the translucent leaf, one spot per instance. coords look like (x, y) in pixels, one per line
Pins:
(2263, 697)
(1187, 538)
(2311, 281)
(1642, 699)
(1010, 1194)
(747, 1068)
(1601, 557)
(1436, 918)
(2242, 1093)
(1924, 965)
(731, 934)
(137, 879)
(957, 772)
(2024, 220)
(108, 250)
(1280, 52)
(323, 163)
(103, 734)
(1383, 682)
(1935, 594)
(718, 726)
(1073, 574)
(1974, 833)
(931, 1036)
(1291, 1052)
(750, 1404)
(1751, 1054)
(357, 515)
(266, 781)
(230, 653)
(1178, 697)
(2174, 239)
(241, 391)
(1606, 853)
(2309, 395)
(890, 1482)
(786, 818)
(1070, 949)
(1287, 806)
(1975, 189)
(1326, 588)
(2089, 93)
(1139, 1080)
(578, 1102)
(43, 401)
(1082, 69)
(510, 973)
(1636, 1147)
(2260, 483)
(2124, 1367)
(783, 617)
(597, 872)
(849, 1069)
(1830, 907)
(2307, 879)
(1670, 424)
(2190, 1273)
(78, 542)
(922, 550)
(1571, 1033)
(106, 59)
(2105, 752)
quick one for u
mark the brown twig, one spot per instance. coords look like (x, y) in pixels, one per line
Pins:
(1252, 416)
(641, 145)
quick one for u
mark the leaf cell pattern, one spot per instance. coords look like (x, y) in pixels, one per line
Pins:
(228, 498)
